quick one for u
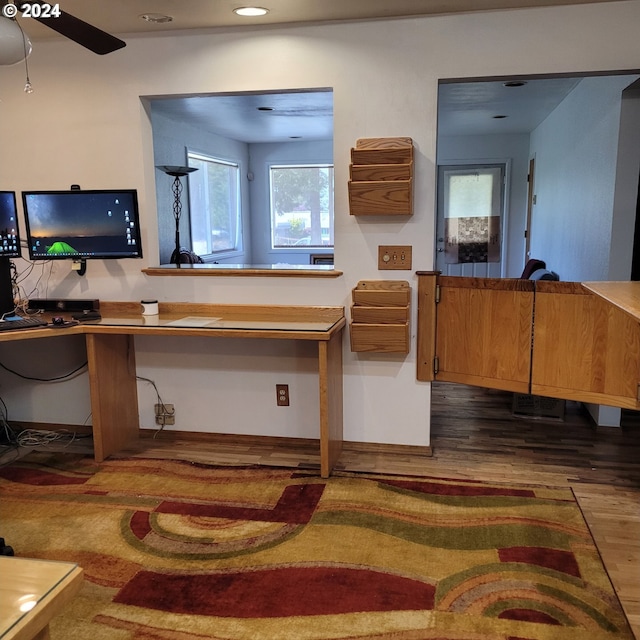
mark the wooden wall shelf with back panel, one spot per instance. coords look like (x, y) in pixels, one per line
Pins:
(381, 177)
(380, 316)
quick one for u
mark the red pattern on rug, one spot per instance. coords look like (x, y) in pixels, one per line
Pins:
(277, 592)
(555, 559)
(451, 489)
(295, 506)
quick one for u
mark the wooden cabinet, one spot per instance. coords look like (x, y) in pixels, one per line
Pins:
(380, 316)
(381, 177)
(585, 348)
(483, 335)
(561, 340)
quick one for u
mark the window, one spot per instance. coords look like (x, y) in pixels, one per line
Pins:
(301, 206)
(214, 199)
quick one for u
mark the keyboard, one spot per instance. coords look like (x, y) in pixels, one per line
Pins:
(30, 322)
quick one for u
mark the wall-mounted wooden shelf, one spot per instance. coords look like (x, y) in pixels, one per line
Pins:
(381, 177)
(380, 316)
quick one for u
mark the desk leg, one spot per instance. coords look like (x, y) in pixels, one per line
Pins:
(330, 374)
(43, 634)
(114, 393)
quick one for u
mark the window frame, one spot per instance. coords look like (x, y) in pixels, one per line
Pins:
(303, 248)
(237, 248)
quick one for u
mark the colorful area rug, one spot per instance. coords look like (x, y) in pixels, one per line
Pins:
(175, 551)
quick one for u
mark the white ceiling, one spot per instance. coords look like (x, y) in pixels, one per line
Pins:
(464, 108)
(123, 16)
(307, 115)
(470, 108)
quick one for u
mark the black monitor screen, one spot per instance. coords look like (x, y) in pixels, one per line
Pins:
(9, 234)
(82, 224)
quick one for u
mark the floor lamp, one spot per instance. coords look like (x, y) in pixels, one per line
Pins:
(177, 173)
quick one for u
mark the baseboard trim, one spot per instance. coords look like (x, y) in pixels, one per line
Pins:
(21, 425)
(281, 442)
(276, 442)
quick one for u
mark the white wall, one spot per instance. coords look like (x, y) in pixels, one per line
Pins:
(171, 142)
(85, 124)
(576, 152)
(626, 196)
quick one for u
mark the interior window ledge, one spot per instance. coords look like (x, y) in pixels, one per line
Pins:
(238, 270)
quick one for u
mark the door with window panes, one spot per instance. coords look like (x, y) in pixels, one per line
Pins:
(470, 220)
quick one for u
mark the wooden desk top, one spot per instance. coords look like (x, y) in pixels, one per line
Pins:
(624, 295)
(32, 592)
(208, 320)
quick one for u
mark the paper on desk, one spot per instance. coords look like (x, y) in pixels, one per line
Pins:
(193, 321)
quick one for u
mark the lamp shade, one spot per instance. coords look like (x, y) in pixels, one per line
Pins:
(13, 42)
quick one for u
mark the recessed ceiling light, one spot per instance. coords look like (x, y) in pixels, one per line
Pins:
(251, 11)
(156, 18)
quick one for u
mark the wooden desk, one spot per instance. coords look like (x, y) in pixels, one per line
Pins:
(44, 585)
(112, 369)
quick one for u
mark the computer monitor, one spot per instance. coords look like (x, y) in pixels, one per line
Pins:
(9, 248)
(9, 235)
(82, 224)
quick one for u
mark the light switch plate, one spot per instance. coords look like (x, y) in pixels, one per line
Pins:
(394, 257)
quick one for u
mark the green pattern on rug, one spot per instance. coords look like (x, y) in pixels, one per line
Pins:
(175, 551)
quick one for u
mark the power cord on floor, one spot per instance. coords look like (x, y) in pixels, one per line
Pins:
(42, 438)
(12, 440)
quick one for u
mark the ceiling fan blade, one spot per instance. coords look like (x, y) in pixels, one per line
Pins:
(82, 32)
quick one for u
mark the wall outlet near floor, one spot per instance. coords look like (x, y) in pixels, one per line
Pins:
(394, 257)
(282, 395)
(165, 414)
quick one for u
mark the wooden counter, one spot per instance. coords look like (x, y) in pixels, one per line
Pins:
(244, 270)
(624, 295)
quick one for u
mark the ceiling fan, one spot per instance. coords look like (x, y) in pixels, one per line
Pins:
(52, 16)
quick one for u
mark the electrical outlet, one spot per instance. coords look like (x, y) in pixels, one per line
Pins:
(394, 257)
(165, 414)
(282, 395)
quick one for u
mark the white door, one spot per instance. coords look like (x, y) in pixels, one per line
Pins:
(470, 220)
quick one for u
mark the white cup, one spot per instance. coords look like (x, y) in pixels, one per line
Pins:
(149, 307)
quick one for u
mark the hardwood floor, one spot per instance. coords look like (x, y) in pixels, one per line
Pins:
(474, 434)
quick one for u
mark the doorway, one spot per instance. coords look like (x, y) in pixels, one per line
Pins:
(470, 220)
